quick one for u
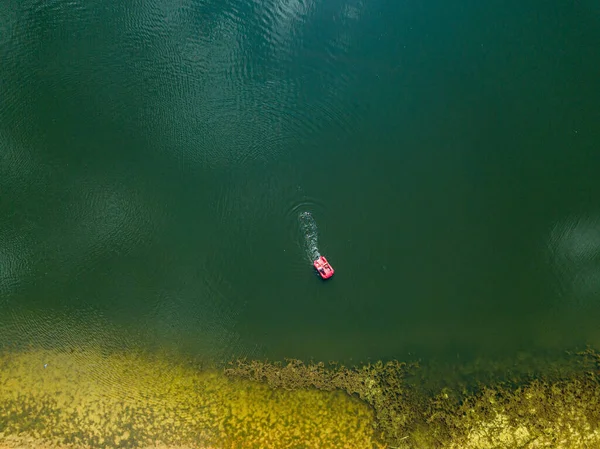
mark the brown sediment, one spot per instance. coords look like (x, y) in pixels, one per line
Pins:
(86, 399)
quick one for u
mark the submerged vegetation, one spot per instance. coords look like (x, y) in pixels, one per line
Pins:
(87, 398)
(561, 410)
(380, 385)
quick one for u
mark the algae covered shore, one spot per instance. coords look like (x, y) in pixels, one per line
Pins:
(559, 409)
(87, 398)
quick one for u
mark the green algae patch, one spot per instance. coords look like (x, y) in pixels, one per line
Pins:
(537, 412)
(87, 399)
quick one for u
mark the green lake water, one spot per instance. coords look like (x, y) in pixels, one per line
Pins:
(156, 157)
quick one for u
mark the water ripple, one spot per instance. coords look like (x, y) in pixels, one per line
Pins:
(106, 99)
(575, 256)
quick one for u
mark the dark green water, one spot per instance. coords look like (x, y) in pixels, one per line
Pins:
(155, 157)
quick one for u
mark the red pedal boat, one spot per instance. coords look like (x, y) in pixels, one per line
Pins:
(322, 266)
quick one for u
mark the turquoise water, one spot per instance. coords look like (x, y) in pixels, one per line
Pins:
(156, 159)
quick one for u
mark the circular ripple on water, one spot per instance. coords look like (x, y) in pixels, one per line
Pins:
(233, 95)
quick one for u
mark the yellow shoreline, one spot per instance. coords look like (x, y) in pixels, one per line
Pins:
(86, 399)
(89, 399)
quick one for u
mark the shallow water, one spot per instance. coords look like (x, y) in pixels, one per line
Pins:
(155, 159)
